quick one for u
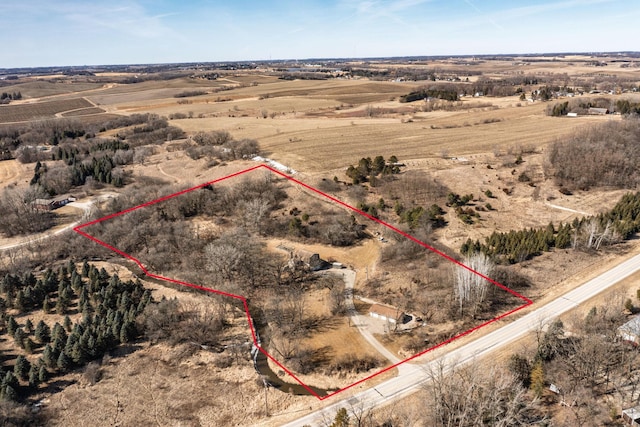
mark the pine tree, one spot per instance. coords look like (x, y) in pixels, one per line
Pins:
(46, 305)
(19, 302)
(9, 393)
(42, 374)
(64, 362)
(29, 345)
(67, 323)
(59, 333)
(341, 419)
(21, 368)
(19, 337)
(43, 333)
(28, 326)
(85, 269)
(48, 356)
(61, 305)
(34, 379)
(12, 325)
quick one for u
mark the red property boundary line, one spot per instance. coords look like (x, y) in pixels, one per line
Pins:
(79, 229)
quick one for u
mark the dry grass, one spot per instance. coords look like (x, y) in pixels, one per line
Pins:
(306, 135)
(318, 144)
(13, 172)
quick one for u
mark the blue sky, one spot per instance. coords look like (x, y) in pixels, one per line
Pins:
(92, 32)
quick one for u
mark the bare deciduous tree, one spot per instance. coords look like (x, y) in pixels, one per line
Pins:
(475, 396)
(471, 288)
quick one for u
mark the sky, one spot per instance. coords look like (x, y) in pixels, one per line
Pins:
(100, 32)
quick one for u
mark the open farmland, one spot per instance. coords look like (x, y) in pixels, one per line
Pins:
(56, 87)
(317, 144)
(40, 110)
(490, 150)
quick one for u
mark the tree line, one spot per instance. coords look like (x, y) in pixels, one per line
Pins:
(620, 223)
(601, 155)
(7, 97)
(431, 92)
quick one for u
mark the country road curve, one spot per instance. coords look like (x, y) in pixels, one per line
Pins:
(410, 380)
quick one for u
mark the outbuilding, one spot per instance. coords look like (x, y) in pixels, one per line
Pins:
(386, 313)
(55, 203)
(598, 111)
(630, 331)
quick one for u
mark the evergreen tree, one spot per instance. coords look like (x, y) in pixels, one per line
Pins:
(42, 374)
(67, 323)
(19, 337)
(43, 333)
(46, 305)
(12, 325)
(28, 327)
(64, 362)
(48, 356)
(34, 379)
(341, 419)
(8, 393)
(61, 305)
(19, 302)
(85, 269)
(22, 367)
(29, 345)
(59, 333)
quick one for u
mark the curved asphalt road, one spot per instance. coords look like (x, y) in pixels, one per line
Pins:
(408, 380)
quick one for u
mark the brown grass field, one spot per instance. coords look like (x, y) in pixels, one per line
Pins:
(318, 128)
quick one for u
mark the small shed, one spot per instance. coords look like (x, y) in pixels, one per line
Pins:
(631, 416)
(630, 331)
(55, 203)
(386, 313)
(598, 111)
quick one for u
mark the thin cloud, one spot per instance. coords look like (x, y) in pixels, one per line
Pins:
(526, 11)
(474, 7)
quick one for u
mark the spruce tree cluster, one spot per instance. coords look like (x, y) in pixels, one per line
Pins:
(109, 309)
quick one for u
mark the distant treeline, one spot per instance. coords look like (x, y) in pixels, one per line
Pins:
(603, 155)
(582, 105)
(7, 97)
(432, 92)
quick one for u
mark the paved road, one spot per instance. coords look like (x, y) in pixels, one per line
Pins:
(411, 379)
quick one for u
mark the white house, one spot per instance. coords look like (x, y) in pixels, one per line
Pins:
(630, 331)
(385, 313)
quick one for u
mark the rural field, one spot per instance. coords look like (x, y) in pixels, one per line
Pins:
(463, 176)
